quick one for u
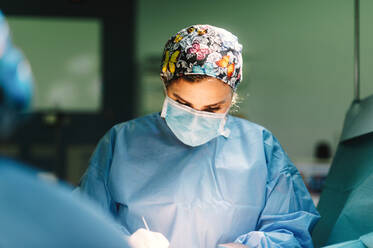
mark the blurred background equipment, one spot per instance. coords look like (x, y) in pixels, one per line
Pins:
(315, 170)
(346, 202)
(82, 55)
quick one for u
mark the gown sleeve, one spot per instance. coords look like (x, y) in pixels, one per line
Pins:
(289, 214)
(94, 183)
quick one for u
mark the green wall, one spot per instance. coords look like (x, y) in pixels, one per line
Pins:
(64, 54)
(298, 60)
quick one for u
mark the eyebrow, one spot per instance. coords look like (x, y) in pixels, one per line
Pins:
(207, 106)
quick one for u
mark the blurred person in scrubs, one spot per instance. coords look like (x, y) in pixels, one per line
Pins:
(199, 176)
(35, 212)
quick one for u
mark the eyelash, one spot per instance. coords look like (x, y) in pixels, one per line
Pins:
(183, 103)
(207, 110)
(212, 109)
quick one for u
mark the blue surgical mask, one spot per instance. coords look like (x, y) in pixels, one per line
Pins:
(193, 127)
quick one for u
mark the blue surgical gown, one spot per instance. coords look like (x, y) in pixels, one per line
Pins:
(38, 213)
(239, 189)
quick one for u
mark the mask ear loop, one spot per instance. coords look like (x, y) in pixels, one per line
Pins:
(225, 131)
(164, 108)
(165, 103)
(222, 130)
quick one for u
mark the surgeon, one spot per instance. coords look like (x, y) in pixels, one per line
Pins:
(197, 175)
(35, 212)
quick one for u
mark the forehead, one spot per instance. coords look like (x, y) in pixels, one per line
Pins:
(203, 92)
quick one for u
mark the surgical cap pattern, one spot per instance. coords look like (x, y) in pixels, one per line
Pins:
(203, 50)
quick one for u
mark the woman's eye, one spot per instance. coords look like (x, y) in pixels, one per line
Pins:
(212, 109)
(183, 103)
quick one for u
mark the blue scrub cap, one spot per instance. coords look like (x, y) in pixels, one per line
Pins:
(16, 84)
(203, 50)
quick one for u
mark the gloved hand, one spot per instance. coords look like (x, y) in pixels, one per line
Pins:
(146, 239)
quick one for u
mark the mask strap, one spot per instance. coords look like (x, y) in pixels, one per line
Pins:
(164, 108)
(222, 130)
(165, 102)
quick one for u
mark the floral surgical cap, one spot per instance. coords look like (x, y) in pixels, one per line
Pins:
(203, 50)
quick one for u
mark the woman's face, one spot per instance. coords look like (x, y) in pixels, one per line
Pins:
(209, 94)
